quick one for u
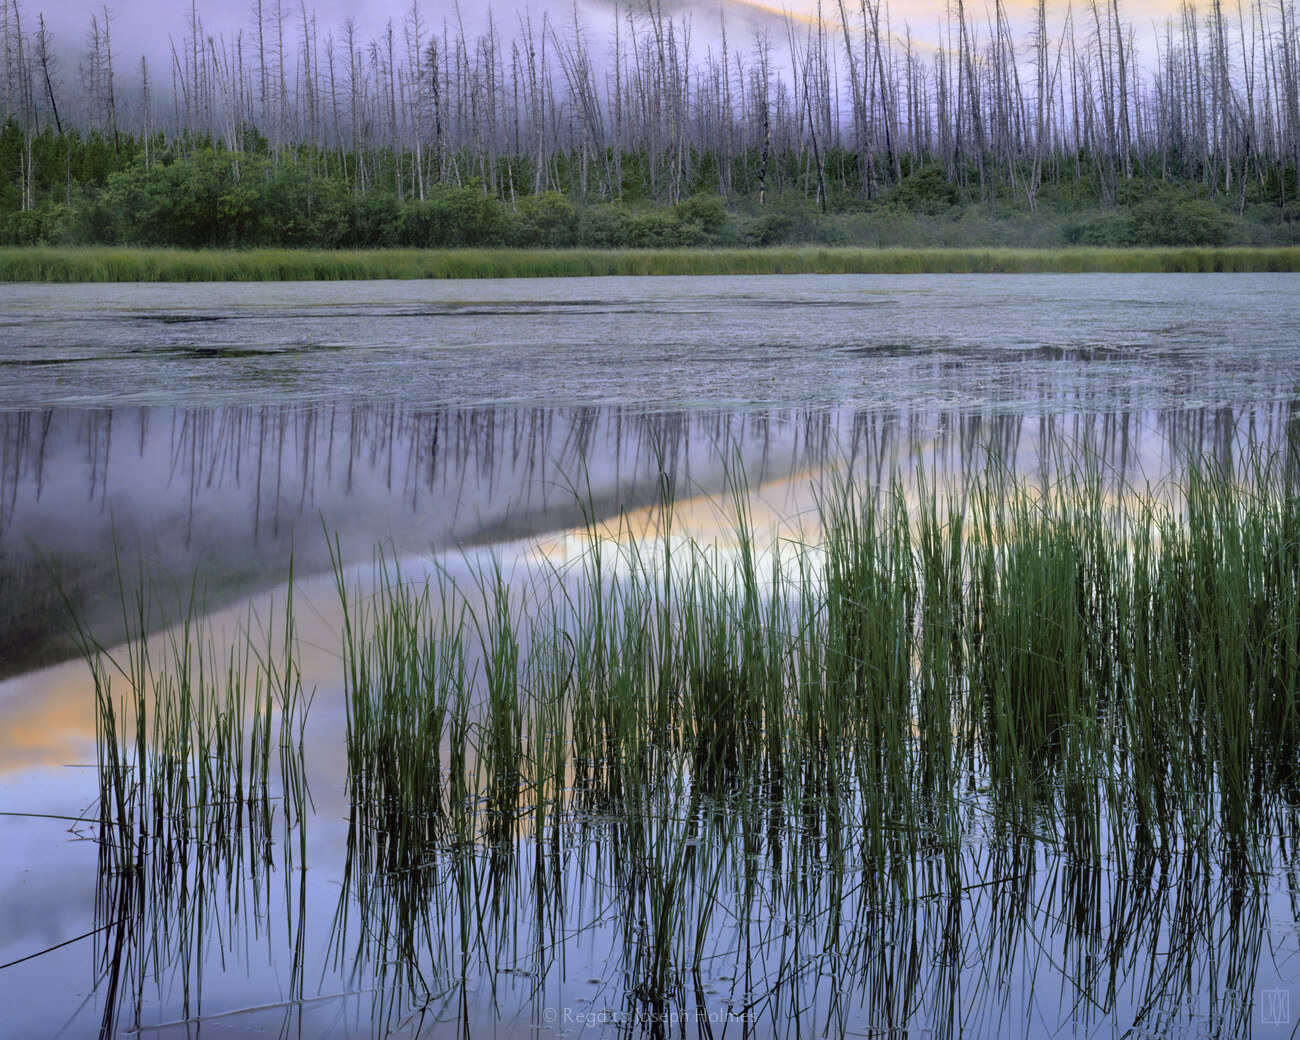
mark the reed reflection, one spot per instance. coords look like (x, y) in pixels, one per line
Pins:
(226, 492)
(982, 737)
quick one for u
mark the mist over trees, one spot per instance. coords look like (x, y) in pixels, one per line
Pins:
(653, 129)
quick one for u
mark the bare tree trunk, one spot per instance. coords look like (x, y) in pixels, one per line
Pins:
(414, 29)
(972, 92)
(146, 109)
(1125, 139)
(48, 66)
(764, 95)
(9, 106)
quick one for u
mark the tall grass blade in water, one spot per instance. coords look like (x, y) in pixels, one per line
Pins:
(197, 747)
(198, 758)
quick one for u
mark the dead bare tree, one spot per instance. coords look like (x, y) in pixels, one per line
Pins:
(48, 69)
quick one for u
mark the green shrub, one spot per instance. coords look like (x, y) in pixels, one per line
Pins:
(452, 217)
(707, 212)
(928, 192)
(547, 221)
(658, 229)
(1157, 222)
(772, 229)
(48, 224)
(605, 226)
(350, 221)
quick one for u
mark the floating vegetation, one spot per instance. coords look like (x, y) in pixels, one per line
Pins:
(120, 264)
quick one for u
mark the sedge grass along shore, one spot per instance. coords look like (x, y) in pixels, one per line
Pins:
(125, 264)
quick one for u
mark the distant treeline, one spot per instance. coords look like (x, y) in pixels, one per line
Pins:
(89, 190)
(834, 130)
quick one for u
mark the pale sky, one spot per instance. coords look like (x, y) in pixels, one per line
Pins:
(144, 26)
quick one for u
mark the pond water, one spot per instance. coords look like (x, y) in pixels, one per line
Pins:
(207, 438)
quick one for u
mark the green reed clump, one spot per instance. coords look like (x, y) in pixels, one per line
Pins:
(862, 711)
(1235, 577)
(406, 688)
(721, 665)
(1027, 629)
(501, 740)
(1093, 655)
(188, 754)
(197, 745)
(804, 741)
(1043, 631)
(611, 656)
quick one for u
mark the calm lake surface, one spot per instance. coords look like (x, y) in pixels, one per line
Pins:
(208, 436)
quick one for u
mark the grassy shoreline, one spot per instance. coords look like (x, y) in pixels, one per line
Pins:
(117, 264)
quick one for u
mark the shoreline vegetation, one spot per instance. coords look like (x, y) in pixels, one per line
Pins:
(127, 264)
(650, 132)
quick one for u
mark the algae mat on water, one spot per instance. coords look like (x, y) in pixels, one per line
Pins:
(170, 265)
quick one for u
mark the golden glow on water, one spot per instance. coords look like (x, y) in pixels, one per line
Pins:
(785, 509)
(47, 719)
